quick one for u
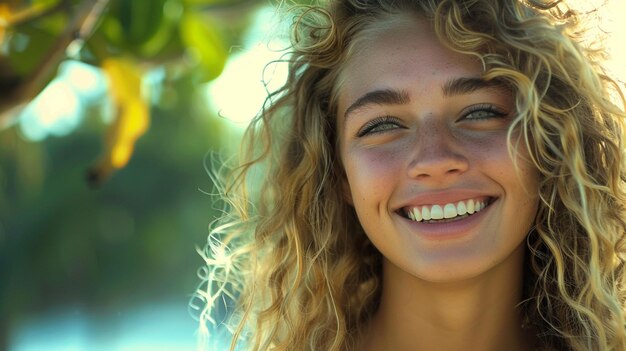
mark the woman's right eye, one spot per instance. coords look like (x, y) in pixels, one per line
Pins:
(379, 125)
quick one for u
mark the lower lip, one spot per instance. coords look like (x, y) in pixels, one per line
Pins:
(449, 230)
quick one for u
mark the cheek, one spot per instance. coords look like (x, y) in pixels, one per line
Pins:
(488, 156)
(491, 156)
(520, 185)
(370, 172)
(526, 175)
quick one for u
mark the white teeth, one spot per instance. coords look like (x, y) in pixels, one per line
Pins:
(460, 208)
(449, 211)
(470, 206)
(417, 214)
(437, 212)
(425, 213)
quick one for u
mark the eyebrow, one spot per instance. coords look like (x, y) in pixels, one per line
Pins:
(461, 86)
(379, 97)
(453, 87)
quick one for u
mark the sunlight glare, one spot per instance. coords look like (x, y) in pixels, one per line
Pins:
(239, 92)
(55, 111)
(59, 108)
(613, 23)
(57, 103)
(85, 79)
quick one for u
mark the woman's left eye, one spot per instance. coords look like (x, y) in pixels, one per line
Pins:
(482, 112)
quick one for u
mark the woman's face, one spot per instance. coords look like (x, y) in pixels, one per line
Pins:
(423, 143)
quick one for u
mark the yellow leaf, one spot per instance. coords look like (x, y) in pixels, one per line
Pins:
(124, 78)
(5, 15)
(133, 114)
(131, 124)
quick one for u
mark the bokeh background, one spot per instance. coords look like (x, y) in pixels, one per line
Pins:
(111, 114)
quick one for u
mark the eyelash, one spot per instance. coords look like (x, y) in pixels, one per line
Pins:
(371, 125)
(494, 111)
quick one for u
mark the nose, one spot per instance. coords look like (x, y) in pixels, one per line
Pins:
(437, 155)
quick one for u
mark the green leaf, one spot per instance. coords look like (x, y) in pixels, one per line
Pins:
(167, 31)
(46, 3)
(144, 29)
(206, 2)
(139, 20)
(53, 23)
(112, 30)
(205, 43)
(27, 47)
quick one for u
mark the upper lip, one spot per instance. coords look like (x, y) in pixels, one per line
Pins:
(444, 197)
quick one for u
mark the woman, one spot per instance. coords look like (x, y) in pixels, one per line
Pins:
(437, 175)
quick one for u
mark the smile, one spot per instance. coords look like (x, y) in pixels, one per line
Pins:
(445, 212)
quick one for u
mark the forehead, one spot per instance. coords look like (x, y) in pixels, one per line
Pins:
(401, 52)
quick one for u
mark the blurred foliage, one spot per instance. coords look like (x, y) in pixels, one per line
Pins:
(125, 37)
(127, 233)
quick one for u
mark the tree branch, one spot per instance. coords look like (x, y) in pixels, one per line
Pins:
(35, 12)
(80, 27)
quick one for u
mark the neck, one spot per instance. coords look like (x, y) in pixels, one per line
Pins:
(478, 313)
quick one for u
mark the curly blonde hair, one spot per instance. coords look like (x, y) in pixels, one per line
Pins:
(291, 252)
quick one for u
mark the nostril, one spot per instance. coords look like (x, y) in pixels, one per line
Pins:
(453, 171)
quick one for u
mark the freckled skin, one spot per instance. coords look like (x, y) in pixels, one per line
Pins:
(435, 150)
(453, 294)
